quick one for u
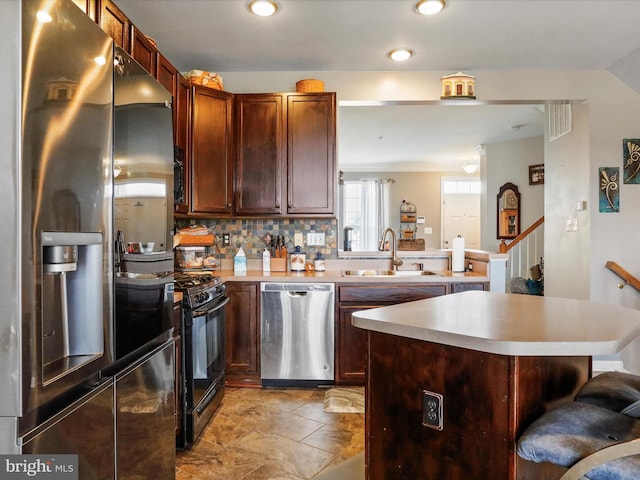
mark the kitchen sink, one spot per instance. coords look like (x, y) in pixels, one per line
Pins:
(385, 273)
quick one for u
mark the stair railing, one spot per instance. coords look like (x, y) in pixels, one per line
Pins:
(524, 251)
(628, 278)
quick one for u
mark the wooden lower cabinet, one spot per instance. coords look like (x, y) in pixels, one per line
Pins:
(243, 325)
(242, 334)
(351, 342)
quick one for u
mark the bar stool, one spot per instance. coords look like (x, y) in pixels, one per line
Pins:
(617, 391)
(595, 437)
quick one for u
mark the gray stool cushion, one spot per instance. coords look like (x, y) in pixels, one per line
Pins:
(616, 391)
(574, 430)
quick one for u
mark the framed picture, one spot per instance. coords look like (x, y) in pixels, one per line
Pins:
(536, 174)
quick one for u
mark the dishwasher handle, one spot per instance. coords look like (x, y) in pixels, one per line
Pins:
(296, 293)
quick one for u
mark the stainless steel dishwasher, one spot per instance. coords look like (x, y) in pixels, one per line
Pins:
(297, 334)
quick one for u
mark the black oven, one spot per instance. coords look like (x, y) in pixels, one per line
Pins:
(203, 337)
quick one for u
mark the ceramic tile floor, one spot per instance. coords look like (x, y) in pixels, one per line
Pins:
(272, 434)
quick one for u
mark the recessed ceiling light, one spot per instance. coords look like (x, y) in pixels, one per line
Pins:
(400, 54)
(43, 16)
(429, 7)
(263, 8)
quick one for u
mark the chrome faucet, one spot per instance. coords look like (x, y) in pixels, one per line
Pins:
(395, 261)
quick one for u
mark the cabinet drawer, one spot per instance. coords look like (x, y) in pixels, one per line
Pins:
(464, 287)
(388, 293)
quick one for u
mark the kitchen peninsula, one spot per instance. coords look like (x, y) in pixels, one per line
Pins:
(454, 380)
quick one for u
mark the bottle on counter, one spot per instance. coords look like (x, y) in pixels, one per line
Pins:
(319, 263)
(266, 261)
(298, 260)
(240, 263)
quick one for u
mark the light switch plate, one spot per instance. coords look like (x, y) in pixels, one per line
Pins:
(315, 239)
(298, 239)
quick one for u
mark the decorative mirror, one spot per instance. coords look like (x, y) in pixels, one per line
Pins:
(508, 211)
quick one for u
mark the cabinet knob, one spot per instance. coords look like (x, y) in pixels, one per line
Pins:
(277, 205)
(228, 205)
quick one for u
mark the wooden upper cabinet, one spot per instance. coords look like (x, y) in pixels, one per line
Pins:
(285, 150)
(260, 148)
(166, 74)
(211, 151)
(88, 7)
(181, 128)
(143, 51)
(182, 109)
(115, 23)
(311, 153)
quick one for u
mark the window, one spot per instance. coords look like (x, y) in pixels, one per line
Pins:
(365, 208)
(461, 186)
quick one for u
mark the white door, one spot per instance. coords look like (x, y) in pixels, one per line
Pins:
(461, 216)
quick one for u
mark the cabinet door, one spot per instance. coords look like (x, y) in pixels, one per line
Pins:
(351, 348)
(211, 151)
(181, 129)
(242, 335)
(115, 23)
(143, 51)
(166, 74)
(88, 7)
(311, 151)
(259, 154)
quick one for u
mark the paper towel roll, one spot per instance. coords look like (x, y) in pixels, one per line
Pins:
(457, 254)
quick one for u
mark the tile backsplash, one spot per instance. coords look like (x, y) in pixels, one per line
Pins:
(249, 233)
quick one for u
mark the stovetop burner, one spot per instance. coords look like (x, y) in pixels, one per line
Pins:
(199, 287)
(189, 279)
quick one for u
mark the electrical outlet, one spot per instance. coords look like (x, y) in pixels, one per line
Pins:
(315, 239)
(298, 239)
(432, 410)
(226, 239)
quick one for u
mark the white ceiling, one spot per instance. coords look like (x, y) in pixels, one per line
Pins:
(429, 137)
(335, 35)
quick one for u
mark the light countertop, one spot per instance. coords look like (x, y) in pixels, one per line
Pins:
(335, 276)
(509, 324)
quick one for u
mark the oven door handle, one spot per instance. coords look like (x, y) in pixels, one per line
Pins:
(210, 309)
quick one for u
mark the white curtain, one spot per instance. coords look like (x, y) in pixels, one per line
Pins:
(370, 216)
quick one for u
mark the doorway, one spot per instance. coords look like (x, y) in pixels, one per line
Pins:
(461, 211)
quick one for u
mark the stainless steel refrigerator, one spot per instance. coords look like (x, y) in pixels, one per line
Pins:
(56, 205)
(63, 390)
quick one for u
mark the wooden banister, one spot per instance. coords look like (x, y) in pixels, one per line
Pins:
(624, 275)
(504, 247)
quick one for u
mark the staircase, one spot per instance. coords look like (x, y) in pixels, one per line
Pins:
(525, 251)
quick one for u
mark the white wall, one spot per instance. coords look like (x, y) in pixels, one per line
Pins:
(567, 253)
(509, 162)
(420, 188)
